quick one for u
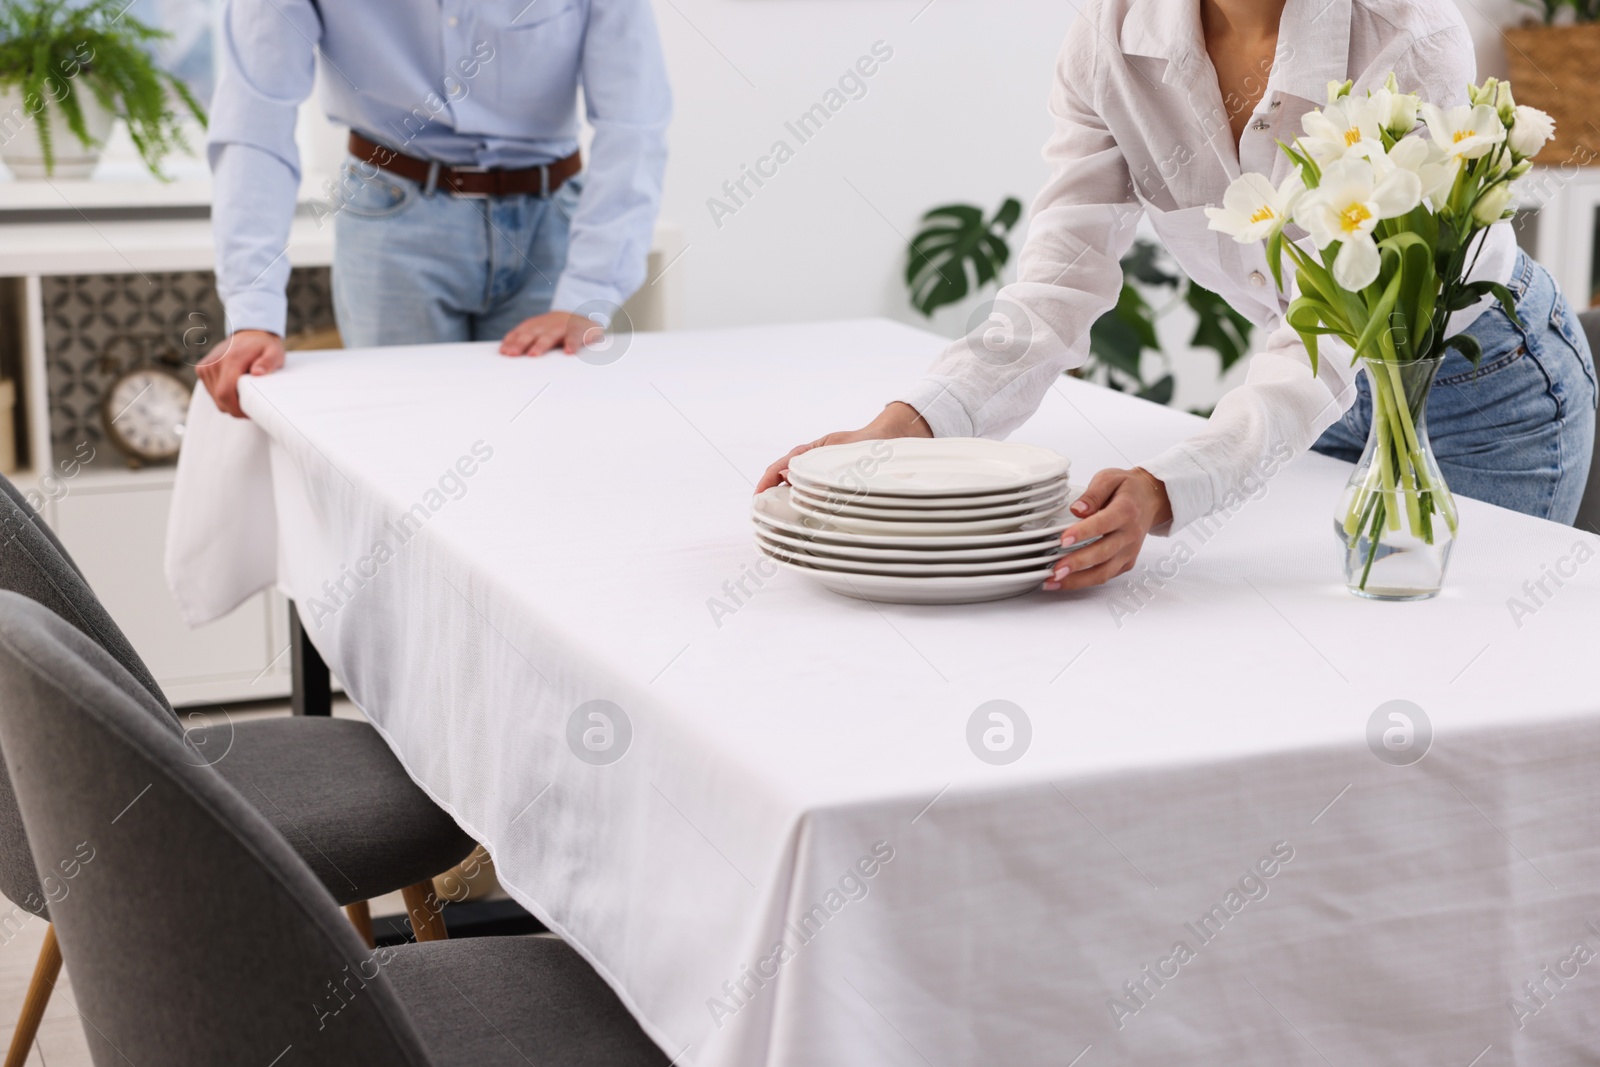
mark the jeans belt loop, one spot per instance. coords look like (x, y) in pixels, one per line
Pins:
(432, 183)
(544, 182)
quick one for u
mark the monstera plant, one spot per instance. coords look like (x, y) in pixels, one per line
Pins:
(960, 251)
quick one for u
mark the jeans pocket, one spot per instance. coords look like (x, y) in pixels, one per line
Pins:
(370, 194)
(1565, 325)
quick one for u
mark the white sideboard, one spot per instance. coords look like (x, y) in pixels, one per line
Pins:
(114, 519)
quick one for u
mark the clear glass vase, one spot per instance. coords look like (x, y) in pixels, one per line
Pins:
(1396, 521)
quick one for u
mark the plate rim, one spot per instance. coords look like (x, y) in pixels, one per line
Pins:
(930, 503)
(1023, 506)
(905, 541)
(838, 565)
(810, 458)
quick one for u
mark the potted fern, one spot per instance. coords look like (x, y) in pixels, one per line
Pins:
(67, 71)
(1553, 61)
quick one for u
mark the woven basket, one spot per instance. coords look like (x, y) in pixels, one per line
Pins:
(1557, 69)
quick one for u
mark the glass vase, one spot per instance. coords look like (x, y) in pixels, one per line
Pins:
(1396, 521)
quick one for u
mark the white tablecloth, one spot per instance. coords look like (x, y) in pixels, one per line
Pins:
(785, 739)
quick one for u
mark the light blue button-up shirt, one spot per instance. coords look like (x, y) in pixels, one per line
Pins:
(492, 83)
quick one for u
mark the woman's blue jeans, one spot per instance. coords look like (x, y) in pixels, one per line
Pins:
(1518, 429)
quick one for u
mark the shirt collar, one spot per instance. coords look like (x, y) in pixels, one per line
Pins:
(1313, 48)
(1313, 42)
(1150, 28)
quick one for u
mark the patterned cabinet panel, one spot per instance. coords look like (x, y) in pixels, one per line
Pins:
(96, 326)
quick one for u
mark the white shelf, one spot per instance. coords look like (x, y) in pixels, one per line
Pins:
(53, 248)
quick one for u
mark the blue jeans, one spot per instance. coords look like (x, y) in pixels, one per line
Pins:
(415, 269)
(1517, 430)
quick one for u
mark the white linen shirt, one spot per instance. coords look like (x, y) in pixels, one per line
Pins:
(1141, 129)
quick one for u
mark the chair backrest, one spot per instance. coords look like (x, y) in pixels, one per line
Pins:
(192, 931)
(36, 565)
(1589, 510)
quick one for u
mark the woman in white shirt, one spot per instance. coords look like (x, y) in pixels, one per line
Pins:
(1158, 105)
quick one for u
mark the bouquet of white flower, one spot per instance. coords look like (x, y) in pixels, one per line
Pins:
(1392, 194)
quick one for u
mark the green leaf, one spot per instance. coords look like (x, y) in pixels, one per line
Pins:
(1161, 392)
(956, 251)
(1221, 328)
(1143, 264)
(1120, 336)
(1468, 346)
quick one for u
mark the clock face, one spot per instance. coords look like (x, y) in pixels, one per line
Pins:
(144, 413)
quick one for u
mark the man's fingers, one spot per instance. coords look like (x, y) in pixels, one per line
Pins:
(543, 341)
(226, 393)
(516, 342)
(267, 361)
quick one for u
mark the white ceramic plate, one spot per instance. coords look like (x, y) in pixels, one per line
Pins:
(772, 508)
(812, 546)
(921, 466)
(913, 570)
(803, 499)
(894, 589)
(878, 500)
(897, 528)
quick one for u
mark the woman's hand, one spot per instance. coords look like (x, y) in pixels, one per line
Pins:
(1119, 507)
(897, 420)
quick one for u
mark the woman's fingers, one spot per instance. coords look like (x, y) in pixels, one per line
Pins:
(774, 474)
(1102, 487)
(1092, 576)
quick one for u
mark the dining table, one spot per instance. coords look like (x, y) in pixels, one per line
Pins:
(1217, 810)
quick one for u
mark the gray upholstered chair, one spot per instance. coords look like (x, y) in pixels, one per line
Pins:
(330, 786)
(197, 936)
(1589, 511)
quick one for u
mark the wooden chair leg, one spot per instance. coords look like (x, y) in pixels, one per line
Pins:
(45, 973)
(360, 914)
(426, 911)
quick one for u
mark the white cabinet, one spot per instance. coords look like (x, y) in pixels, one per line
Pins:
(116, 530)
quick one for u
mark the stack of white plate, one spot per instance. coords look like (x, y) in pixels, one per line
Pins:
(918, 521)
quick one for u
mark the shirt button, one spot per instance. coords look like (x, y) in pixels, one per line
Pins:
(1275, 105)
(1257, 279)
(1260, 124)
(452, 20)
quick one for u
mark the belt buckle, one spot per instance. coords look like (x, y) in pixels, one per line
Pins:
(469, 170)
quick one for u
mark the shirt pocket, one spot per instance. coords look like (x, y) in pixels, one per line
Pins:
(520, 16)
(528, 87)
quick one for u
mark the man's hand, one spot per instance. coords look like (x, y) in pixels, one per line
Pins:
(897, 420)
(542, 333)
(1119, 507)
(244, 352)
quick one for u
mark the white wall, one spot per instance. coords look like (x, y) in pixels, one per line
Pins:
(957, 115)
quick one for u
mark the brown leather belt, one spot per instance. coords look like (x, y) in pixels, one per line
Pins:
(468, 181)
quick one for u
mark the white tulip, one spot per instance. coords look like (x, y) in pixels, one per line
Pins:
(1354, 196)
(1465, 132)
(1492, 204)
(1433, 168)
(1531, 130)
(1252, 210)
(1351, 126)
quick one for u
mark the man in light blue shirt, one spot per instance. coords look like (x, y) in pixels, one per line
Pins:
(464, 212)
